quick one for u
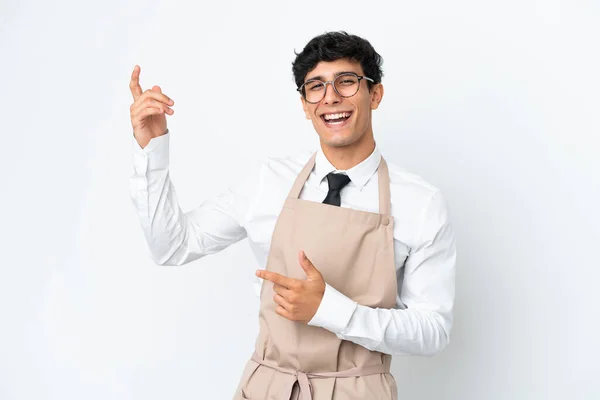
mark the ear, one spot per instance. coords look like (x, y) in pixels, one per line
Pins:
(305, 107)
(376, 96)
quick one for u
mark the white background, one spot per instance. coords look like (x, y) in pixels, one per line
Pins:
(496, 103)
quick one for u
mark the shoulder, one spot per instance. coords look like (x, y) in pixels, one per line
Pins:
(403, 181)
(415, 199)
(285, 165)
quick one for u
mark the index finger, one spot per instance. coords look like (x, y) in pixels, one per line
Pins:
(134, 84)
(277, 278)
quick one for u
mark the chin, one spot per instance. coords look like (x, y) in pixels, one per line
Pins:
(338, 139)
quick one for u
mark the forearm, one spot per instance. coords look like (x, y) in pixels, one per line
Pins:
(410, 331)
(399, 332)
(175, 237)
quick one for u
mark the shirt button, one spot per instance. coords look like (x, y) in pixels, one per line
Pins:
(386, 221)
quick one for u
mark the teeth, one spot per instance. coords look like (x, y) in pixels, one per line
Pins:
(336, 116)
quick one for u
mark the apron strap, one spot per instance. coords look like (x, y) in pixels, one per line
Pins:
(384, 188)
(306, 391)
(302, 177)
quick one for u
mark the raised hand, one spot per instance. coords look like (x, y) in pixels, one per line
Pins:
(148, 110)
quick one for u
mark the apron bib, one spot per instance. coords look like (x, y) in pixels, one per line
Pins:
(354, 251)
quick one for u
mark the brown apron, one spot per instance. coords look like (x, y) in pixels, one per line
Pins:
(354, 251)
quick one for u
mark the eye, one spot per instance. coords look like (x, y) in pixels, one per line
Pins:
(314, 85)
(346, 80)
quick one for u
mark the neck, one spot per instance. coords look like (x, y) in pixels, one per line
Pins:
(346, 157)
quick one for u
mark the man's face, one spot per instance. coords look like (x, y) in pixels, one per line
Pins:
(358, 125)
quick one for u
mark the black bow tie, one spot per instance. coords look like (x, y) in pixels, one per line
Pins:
(336, 183)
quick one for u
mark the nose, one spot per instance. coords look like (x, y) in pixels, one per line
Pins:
(331, 96)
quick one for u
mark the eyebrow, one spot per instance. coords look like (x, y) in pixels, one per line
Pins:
(321, 78)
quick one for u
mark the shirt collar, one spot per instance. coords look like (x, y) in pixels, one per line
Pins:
(359, 174)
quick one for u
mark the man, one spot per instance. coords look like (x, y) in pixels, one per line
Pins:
(359, 254)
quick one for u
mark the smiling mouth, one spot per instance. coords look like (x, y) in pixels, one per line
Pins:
(340, 120)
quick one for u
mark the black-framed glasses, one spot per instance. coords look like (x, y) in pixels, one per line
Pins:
(345, 85)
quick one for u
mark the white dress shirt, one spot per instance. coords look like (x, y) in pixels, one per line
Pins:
(424, 244)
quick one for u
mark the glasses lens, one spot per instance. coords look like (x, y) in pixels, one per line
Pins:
(346, 85)
(313, 91)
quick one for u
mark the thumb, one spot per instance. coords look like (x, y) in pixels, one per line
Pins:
(307, 265)
(156, 88)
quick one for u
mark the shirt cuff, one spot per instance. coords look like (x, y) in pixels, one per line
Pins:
(152, 157)
(334, 312)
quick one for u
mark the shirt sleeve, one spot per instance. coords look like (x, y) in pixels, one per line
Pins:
(175, 237)
(428, 291)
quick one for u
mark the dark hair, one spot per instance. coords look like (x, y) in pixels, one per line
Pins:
(332, 46)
